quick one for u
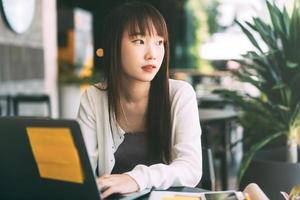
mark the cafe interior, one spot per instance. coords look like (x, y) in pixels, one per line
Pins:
(241, 58)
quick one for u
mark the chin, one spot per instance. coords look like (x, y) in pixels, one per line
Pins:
(145, 78)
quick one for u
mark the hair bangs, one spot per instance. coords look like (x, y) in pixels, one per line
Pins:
(147, 22)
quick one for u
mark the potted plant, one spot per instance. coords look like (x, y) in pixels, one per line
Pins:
(275, 72)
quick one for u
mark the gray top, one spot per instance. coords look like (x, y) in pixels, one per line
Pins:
(131, 152)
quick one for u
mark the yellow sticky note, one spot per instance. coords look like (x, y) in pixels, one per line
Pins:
(55, 154)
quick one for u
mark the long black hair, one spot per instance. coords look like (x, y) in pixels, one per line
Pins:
(136, 17)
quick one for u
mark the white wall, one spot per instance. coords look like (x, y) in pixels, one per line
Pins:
(50, 52)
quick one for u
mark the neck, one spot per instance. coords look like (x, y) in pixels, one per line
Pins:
(134, 91)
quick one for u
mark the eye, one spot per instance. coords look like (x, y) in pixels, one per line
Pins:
(138, 41)
(160, 42)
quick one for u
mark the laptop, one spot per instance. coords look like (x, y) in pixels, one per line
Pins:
(22, 176)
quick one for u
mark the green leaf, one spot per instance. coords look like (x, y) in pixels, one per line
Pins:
(251, 25)
(279, 86)
(249, 35)
(275, 15)
(249, 156)
(282, 107)
(295, 118)
(266, 33)
(292, 64)
(286, 20)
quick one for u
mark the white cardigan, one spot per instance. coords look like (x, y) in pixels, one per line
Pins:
(185, 168)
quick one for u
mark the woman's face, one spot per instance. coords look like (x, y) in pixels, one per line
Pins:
(141, 56)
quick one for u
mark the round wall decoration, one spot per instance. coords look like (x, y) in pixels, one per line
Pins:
(18, 14)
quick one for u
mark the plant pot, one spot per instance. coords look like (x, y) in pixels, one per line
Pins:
(272, 173)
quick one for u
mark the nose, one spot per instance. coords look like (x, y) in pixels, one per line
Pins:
(150, 52)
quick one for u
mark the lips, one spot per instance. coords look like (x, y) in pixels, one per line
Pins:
(148, 68)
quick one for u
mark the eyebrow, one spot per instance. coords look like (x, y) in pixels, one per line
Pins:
(136, 34)
(141, 35)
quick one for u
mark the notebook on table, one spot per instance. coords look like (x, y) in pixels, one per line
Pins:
(213, 195)
(46, 159)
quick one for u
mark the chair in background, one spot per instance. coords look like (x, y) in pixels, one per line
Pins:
(5, 105)
(218, 129)
(18, 100)
(208, 180)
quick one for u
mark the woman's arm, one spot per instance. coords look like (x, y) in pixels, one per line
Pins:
(86, 119)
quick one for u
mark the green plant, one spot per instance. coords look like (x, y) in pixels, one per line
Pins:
(211, 10)
(276, 74)
(196, 32)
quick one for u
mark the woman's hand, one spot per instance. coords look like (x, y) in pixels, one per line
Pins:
(116, 183)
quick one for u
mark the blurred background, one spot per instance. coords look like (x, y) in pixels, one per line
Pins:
(55, 47)
(50, 51)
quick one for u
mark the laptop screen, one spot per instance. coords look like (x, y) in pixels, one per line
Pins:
(31, 160)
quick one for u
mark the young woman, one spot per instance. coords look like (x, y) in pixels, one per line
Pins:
(141, 129)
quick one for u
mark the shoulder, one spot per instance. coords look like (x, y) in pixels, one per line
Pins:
(96, 89)
(181, 93)
(178, 87)
(94, 92)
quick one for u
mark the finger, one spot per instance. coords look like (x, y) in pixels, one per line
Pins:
(104, 180)
(98, 182)
(103, 189)
(115, 175)
(104, 185)
(109, 191)
(105, 176)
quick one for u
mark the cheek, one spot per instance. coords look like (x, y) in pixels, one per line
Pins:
(127, 56)
(129, 52)
(123, 58)
(161, 53)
